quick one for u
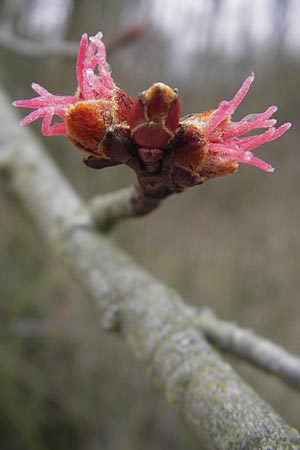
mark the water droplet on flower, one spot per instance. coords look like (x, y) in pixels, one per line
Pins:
(247, 156)
(89, 74)
(250, 117)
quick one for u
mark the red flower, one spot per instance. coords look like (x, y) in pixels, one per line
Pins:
(102, 120)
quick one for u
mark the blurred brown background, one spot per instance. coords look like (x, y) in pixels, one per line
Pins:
(232, 244)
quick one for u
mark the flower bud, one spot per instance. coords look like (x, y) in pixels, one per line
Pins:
(154, 116)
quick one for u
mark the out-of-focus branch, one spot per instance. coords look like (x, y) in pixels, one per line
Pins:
(69, 49)
(126, 36)
(35, 49)
(245, 344)
(152, 318)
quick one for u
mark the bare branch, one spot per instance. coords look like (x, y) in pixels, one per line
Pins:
(247, 345)
(210, 396)
(107, 210)
(68, 49)
(126, 36)
(36, 49)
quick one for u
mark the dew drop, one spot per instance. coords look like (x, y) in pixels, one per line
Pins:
(247, 156)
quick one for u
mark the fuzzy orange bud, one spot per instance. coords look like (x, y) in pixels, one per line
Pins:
(88, 121)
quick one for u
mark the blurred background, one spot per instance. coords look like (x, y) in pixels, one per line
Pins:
(232, 244)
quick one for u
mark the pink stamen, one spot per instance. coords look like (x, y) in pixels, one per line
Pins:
(34, 115)
(80, 61)
(224, 135)
(235, 154)
(251, 142)
(94, 82)
(219, 116)
(47, 100)
(226, 108)
(93, 73)
(249, 123)
(241, 93)
(52, 130)
(39, 89)
(256, 162)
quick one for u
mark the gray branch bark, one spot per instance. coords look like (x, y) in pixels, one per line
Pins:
(247, 345)
(210, 396)
(109, 209)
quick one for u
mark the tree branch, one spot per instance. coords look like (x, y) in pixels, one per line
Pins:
(152, 318)
(68, 49)
(107, 210)
(35, 49)
(245, 344)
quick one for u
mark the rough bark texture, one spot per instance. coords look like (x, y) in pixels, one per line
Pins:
(152, 318)
(247, 345)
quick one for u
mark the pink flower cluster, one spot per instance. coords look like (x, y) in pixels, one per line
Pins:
(224, 137)
(94, 82)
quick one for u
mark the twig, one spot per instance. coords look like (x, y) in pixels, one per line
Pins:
(35, 49)
(125, 37)
(107, 210)
(247, 345)
(210, 396)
